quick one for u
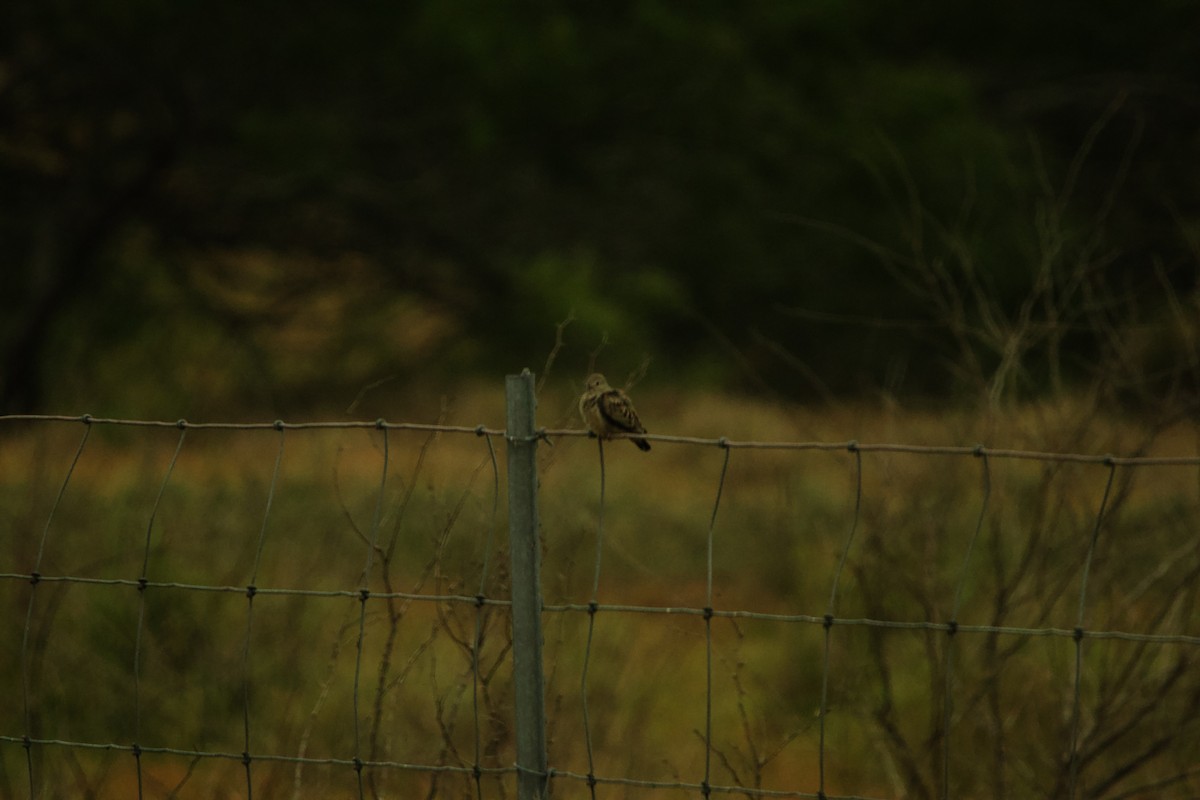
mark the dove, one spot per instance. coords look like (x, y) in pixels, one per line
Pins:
(608, 411)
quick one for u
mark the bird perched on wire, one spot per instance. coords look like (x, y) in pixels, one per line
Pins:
(608, 411)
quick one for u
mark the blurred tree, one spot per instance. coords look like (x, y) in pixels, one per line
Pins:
(86, 138)
(430, 186)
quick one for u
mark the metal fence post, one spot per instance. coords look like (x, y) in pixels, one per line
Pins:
(525, 552)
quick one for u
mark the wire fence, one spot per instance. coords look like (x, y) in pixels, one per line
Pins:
(1108, 702)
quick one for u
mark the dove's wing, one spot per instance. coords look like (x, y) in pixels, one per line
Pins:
(618, 412)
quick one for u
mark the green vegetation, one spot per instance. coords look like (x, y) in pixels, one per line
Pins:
(213, 210)
(783, 521)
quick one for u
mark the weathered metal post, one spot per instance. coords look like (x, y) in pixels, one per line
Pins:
(525, 552)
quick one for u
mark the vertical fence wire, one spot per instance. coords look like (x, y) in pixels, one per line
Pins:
(477, 642)
(706, 786)
(1073, 767)
(251, 591)
(948, 698)
(35, 577)
(364, 594)
(829, 611)
(143, 580)
(587, 650)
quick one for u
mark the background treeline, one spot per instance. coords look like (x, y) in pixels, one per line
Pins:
(229, 207)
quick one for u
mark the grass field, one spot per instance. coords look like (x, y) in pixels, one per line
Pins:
(783, 522)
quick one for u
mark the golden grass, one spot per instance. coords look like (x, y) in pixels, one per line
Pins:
(778, 535)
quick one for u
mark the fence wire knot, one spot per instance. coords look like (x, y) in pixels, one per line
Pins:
(35, 578)
(828, 623)
(952, 627)
(251, 590)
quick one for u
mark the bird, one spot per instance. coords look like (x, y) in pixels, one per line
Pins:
(608, 411)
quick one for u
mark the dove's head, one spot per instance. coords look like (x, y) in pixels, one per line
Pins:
(597, 383)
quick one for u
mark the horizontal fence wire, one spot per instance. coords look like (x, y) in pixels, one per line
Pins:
(627, 608)
(549, 434)
(353, 763)
(375, 549)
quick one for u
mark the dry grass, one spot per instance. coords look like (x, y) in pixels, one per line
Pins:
(782, 524)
